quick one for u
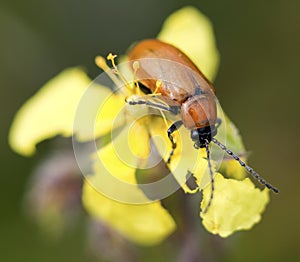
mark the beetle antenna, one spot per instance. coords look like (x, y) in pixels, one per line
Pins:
(243, 164)
(212, 180)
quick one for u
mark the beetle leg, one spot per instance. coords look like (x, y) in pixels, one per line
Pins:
(159, 106)
(174, 127)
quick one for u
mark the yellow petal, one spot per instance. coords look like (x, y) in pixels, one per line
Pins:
(143, 224)
(232, 169)
(52, 110)
(49, 112)
(237, 205)
(138, 139)
(229, 135)
(192, 32)
(114, 169)
(98, 112)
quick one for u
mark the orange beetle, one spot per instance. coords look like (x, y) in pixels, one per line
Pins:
(185, 91)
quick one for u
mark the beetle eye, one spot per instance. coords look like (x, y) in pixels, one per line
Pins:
(195, 135)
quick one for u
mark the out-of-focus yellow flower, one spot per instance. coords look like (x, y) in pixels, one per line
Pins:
(53, 198)
(52, 112)
(144, 224)
(49, 112)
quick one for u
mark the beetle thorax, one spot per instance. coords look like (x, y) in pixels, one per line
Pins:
(199, 111)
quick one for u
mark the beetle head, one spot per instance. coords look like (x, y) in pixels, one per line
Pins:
(203, 136)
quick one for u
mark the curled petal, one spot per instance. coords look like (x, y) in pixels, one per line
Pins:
(237, 205)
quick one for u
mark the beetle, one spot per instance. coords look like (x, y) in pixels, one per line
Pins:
(184, 91)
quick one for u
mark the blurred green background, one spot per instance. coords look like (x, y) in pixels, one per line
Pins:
(257, 85)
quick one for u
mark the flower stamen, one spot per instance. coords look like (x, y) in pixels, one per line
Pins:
(101, 63)
(112, 57)
(136, 66)
(114, 74)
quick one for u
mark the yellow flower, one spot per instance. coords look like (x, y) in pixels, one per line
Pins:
(127, 138)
